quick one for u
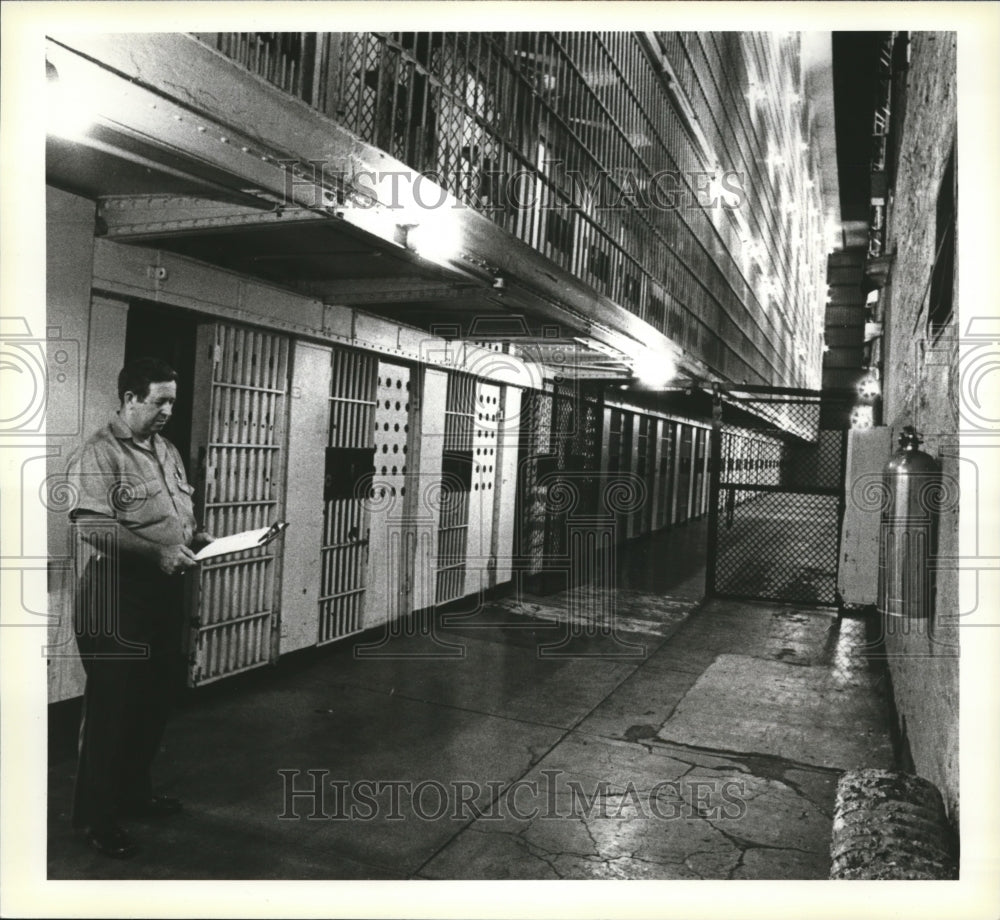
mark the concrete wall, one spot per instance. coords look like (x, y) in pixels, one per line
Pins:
(921, 388)
(71, 329)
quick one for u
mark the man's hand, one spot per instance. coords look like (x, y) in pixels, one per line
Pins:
(201, 540)
(174, 559)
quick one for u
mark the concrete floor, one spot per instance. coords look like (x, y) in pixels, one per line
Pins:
(702, 741)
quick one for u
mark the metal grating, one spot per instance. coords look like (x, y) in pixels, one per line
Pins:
(456, 487)
(776, 502)
(243, 484)
(344, 551)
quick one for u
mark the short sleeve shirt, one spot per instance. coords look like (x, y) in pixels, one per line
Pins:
(144, 488)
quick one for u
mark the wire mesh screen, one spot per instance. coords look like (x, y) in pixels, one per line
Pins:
(776, 501)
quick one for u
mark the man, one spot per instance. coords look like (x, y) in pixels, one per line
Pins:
(134, 507)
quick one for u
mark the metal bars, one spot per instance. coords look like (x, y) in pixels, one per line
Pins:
(534, 444)
(244, 480)
(456, 486)
(344, 551)
(572, 143)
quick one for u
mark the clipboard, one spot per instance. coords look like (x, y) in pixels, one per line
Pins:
(240, 542)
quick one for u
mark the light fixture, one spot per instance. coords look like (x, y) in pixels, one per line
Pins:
(863, 417)
(869, 387)
(69, 111)
(654, 369)
(436, 238)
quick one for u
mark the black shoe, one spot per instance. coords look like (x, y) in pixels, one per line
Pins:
(112, 841)
(156, 806)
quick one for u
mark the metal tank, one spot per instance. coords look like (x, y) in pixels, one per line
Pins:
(911, 483)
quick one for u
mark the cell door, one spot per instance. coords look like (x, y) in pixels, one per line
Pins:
(535, 436)
(239, 436)
(391, 536)
(460, 430)
(645, 455)
(665, 472)
(683, 496)
(698, 472)
(478, 554)
(344, 551)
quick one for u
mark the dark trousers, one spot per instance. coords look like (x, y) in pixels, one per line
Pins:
(127, 620)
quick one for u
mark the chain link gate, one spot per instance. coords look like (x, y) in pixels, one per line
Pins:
(777, 495)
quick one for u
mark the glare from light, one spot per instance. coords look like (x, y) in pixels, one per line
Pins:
(863, 417)
(654, 369)
(869, 388)
(69, 109)
(437, 240)
(720, 193)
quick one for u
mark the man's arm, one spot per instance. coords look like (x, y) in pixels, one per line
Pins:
(170, 559)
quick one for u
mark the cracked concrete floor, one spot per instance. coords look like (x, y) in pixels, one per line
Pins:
(715, 755)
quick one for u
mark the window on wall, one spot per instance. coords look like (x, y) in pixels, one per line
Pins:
(941, 308)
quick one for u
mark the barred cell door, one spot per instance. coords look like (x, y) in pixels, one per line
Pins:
(240, 410)
(460, 432)
(665, 468)
(777, 497)
(344, 553)
(534, 466)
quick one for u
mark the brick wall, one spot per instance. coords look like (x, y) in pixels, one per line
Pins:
(920, 387)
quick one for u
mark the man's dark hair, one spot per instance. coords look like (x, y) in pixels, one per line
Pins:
(137, 375)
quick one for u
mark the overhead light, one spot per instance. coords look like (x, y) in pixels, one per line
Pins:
(438, 239)
(654, 369)
(869, 387)
(69, 106)
(863, 417)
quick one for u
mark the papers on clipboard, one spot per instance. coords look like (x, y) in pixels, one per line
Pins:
(238, 542)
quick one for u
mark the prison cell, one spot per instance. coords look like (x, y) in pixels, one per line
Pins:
(242, 441)
(645, 460)
(535, 461)
(460, 438)
(349, 469)
(664, 473)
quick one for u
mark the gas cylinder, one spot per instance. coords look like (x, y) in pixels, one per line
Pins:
(911, 488)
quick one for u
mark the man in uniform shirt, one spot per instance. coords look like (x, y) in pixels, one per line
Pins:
(134, 508)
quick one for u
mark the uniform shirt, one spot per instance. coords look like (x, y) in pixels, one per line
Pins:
(143, 488)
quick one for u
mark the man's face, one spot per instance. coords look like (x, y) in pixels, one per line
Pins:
(148, 416)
